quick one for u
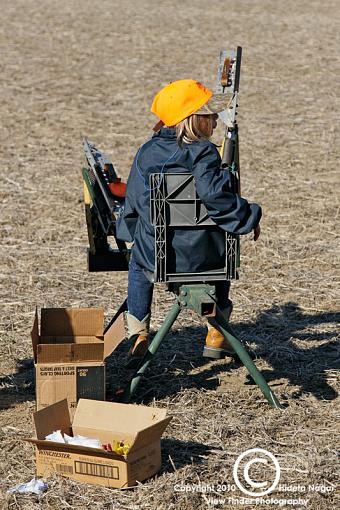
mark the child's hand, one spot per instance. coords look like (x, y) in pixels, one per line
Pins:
(257, 232)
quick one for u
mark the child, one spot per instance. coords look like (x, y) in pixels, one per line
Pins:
(187, 113)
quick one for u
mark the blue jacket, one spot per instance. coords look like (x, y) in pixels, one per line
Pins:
(192, 250)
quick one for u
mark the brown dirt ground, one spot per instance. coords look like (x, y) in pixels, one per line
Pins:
(74, 68)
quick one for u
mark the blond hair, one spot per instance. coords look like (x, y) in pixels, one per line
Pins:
(194, 128)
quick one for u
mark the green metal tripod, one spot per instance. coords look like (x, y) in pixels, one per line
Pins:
(200, 298)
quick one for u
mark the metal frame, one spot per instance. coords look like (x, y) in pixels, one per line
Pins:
(174, 203)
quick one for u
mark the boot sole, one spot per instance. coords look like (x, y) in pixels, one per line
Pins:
(213, 353)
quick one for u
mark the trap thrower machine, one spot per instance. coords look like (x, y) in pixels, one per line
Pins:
(104, 201)
(104, 196)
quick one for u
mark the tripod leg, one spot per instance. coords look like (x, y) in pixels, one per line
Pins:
(153, 348)
(248, 362)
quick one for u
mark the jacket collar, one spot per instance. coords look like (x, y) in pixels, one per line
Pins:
(166, 132)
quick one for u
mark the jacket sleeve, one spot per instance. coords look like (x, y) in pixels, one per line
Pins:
(213, 184)
(127, 221)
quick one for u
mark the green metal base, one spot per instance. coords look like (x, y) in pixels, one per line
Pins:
(200, 298)
(153, 348)
(247, 362)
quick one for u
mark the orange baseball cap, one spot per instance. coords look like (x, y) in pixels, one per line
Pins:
(182, 98)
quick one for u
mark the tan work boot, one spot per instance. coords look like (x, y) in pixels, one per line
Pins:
(138, 333)
(216, 346)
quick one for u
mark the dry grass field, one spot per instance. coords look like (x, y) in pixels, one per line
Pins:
(75, 68)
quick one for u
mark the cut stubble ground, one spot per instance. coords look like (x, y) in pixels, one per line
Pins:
(82, 68)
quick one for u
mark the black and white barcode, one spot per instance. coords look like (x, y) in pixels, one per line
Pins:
(62, 468)
(87, 468)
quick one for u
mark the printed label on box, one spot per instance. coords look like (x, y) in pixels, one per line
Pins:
(56, 370)
(92, 469)
(84, 468)
(90, 382)
(50, 461)
(71, 381)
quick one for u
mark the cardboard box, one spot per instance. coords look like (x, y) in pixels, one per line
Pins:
(139, 426)
(69, 354)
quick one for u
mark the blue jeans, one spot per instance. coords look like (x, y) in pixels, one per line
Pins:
(140, 291)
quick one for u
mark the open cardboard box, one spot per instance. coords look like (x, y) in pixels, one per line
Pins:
(139, 426)
(69, 349)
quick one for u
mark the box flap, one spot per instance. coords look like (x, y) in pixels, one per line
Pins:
(150, 434)
(35, 334)
(72, 322)
(69, 353)
(53, 417)
(114, 335)
(119, 422)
